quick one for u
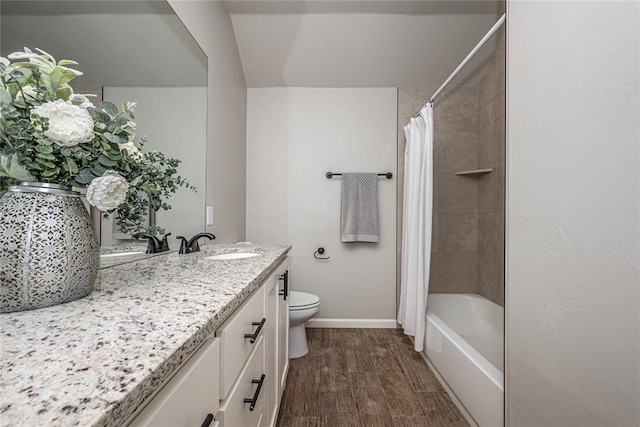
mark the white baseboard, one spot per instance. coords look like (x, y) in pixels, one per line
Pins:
(352, 323)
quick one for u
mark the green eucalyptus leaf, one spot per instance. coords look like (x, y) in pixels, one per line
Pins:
(110, 108)
(71, 164)
(50, 172)
(44, 149)
(105, 161)
(98, 115)
(111, 126)
(66, 152)
(46, 163)
(85, 176)
(114, 155)
(46, 156)
(116, 139)
(98, 169)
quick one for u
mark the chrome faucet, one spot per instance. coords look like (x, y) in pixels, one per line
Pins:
(155, 245)
(186, 247)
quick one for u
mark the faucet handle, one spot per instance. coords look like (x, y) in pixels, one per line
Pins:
(164, 243)
(152, 248)
(184, 246)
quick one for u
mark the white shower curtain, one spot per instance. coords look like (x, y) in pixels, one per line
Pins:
(416, 230)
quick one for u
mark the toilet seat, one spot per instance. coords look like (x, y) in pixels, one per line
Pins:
(302, 301)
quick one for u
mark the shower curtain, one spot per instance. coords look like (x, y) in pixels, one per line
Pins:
(416, 231)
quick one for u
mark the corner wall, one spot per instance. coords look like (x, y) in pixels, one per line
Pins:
(573, 224)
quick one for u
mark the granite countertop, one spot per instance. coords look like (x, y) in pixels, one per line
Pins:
(93, 361)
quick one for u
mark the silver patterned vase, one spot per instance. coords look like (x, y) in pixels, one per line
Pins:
(49, 253)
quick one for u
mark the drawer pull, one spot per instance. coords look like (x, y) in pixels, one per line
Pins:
(207, 421)
(256, 394)
(254, 336)
(285, 278)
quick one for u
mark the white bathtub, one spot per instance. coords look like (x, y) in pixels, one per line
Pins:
(465, 343)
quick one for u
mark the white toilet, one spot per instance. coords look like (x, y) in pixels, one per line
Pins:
(302, 307)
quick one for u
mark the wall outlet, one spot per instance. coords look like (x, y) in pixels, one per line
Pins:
(209, 215)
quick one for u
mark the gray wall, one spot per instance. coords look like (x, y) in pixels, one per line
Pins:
(573, 224)
(210, 25)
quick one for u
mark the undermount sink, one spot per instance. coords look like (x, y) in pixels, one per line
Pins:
(117, 254)
(237, 255)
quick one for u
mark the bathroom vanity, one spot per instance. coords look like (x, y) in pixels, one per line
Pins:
(169, 340)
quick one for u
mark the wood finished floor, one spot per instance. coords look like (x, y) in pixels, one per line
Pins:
(364, 377)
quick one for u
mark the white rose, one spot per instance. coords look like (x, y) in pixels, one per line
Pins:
(69, 124)
(27, 91)
(131, 148)
(108, 191)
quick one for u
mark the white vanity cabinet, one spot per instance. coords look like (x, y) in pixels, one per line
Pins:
(241, 385)
(191, 397)
(237, 377)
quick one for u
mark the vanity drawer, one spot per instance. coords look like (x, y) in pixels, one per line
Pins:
(234, 342)
(190, 396)
(234, 411)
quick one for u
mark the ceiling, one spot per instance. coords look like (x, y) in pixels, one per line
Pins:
(359, 43)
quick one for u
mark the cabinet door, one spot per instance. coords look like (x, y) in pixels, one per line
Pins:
(272, 394)
(283, 331)
(248, 320)
(244, 406)
(191, 396)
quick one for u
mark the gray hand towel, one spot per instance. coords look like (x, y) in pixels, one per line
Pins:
(359, 207)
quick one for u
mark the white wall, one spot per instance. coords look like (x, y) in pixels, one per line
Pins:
(174, 119)
(296, 135)
(573, 231)
(210, 24)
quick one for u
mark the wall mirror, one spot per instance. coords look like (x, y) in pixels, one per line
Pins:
(133, 51)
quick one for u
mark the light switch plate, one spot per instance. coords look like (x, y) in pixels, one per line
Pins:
(209, 215)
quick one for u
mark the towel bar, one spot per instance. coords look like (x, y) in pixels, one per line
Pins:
(330, 175)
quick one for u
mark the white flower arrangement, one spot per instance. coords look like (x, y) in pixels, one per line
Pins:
(50, 134)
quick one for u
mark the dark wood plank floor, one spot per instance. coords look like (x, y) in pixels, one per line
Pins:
(364, 377)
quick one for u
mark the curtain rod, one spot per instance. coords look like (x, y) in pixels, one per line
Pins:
(464, 62)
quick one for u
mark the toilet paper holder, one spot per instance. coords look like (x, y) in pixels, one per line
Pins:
(321, 252)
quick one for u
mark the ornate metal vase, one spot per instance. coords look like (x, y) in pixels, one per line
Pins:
(49, 253)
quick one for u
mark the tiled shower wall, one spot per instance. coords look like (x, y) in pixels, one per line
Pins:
(491, 187)
(467, 251)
